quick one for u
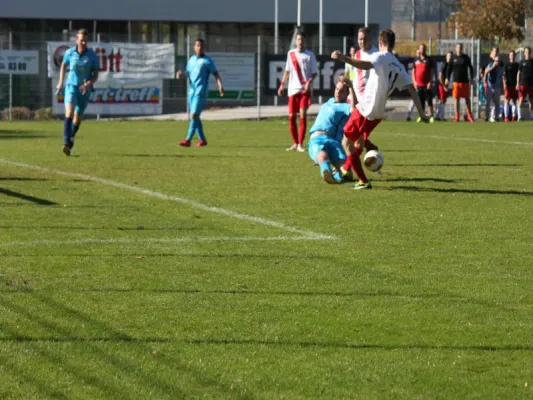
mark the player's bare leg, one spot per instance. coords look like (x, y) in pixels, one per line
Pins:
(457, 109)
(303, 129)
(469, 116)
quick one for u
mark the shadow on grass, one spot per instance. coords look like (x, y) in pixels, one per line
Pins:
(195, 155)
(437, 180)
(16, 178)
(462, 165)
(21, 196)
(463, 191)
(61, 334)
(362, 346)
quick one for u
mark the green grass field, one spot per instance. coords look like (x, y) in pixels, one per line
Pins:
(138, 269)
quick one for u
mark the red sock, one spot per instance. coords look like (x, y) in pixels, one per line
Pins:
(303, 129)
(358, 166)
(293, 128)
(347, 164)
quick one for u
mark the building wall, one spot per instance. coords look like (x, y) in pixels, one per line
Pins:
(250, 11)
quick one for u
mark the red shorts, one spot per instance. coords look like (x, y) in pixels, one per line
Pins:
(299, 101)
(443, 94)
(511, 93)
(526, 91)
(358, 125)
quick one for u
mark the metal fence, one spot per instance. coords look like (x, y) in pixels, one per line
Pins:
(35, 92)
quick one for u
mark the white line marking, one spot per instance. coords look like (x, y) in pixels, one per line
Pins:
(461, 139)
(89, 241)
(176, 199)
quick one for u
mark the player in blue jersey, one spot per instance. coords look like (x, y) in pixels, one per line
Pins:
(83, 72)
(199, 68)
(325, 143)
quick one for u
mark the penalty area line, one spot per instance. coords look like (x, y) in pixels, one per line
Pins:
(175, 199)
(214, 239)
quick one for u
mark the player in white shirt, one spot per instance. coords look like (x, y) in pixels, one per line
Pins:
(386, 75)
(360, 77)
(301, 69)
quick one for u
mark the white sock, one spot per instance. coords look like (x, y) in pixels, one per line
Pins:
(506, 110)
(519, 111)
(514, 110)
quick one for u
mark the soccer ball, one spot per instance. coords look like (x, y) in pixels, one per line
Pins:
(374, 160)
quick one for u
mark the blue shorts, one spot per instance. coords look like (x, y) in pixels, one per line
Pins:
(196, 104)
(332, 147)
(73, 96)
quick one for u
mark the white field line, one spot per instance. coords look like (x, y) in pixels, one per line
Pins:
(176, 199)
(465, 139)
(89, 241)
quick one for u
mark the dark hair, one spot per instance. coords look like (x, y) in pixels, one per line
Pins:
(364, 30)
(512, 51)
(527, 48)
(388, 38)
(201, 41)
(450, 52)
(300, 33)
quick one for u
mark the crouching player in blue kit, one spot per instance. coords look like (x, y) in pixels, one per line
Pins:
(83, 72)
(325, 143)
(199, 67)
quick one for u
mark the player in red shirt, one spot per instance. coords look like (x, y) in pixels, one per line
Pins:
(422, 73)
(301, 70)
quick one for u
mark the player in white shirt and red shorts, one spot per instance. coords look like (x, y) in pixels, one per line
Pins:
(364, 40)
(301, 69)
(386, 75)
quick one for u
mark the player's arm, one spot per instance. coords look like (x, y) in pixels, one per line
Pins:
(471, 69)
(62, 71)
(414, 95)
(282, 84)
(219, 83)
(349, 84)
(359, 64)
(518, 80)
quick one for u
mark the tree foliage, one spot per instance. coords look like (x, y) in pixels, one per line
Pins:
(487, 19)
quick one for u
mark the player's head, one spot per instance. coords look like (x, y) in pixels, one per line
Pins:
(300, 40)
(422, 49)
(449, 56)
(353, 50)
(496, 60)
(199, 47)
(341, 92)
(512, 56)
(364, 40)
(494, 52)
(458, 49)
(81, 39)
(387, 40)
(417, 53)
(527, 53)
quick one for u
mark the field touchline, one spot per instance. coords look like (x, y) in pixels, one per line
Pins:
(176, 199)
(465, 139)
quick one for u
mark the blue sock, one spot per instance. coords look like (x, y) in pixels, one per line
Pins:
(67, 131)
(75, 128)
(192, 129)
(200, 126)
(325, 166)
